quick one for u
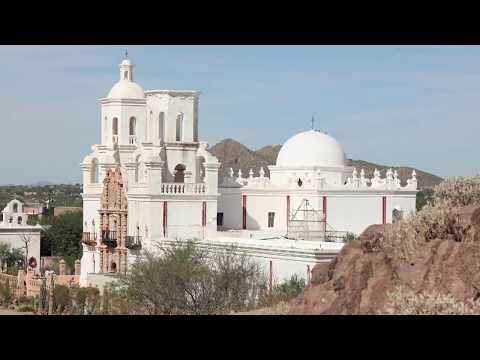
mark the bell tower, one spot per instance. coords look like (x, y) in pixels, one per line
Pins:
(124, 110)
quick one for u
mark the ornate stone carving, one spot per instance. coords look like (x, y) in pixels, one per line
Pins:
(113, 217)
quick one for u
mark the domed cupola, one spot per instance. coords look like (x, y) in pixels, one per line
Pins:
(126, 88)
(311, 148)
(124, 110)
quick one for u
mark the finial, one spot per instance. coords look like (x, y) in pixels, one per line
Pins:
(262, 172)
(313, 122)
(250, 173)
(126, 54)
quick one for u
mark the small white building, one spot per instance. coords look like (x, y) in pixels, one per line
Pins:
(15, 231)
(150, 180)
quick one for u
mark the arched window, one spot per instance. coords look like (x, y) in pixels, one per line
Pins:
(10, 220)
(179, 132)
(201, 168)
(161, 125)
(115, 126)
(94, 172)
(15, 208)
(133, 130)
(149, 125)
(180, 173)
(125, 75)
(19, 220)
(132, 126)
(1, 217)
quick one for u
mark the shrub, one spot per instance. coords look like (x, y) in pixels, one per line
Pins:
(6, 294)
(117, 302)
(283, 292)
(26, 308)
(349, 237)
(186, 279)
(403, 301)
(403, 239)
(61, 298)
(458, 191)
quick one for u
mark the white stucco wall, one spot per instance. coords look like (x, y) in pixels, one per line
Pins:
(347, 211)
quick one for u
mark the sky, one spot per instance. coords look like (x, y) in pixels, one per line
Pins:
(413, 106)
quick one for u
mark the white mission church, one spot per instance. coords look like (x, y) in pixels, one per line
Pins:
(151, 181)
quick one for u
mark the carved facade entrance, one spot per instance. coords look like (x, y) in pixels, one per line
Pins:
(113, 224)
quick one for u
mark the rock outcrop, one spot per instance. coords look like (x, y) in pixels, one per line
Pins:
(358, 279)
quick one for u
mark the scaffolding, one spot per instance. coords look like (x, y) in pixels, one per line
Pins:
(307, 223)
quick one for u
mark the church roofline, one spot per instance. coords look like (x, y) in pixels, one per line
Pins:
(311, 168)
(107, 100)
(174, 92)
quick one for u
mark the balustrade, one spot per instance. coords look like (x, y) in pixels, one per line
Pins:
(134, 242)
(89, 238)
(109, 238)
(183, 188)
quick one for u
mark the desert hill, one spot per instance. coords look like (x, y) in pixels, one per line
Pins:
(233, 154)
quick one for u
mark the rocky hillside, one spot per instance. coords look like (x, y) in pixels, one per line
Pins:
(358, 280)
(233, 154)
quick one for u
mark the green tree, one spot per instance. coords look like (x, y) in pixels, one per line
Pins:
(424, 197)
(32, 220)
(9, 256)
(63, 237)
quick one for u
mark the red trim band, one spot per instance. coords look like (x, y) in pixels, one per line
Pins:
(325, 213)
(288, 208)
(244, 212)
(204, 214)
(164, 219)
(384, 210)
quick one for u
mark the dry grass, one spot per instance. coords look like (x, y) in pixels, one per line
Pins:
(403, 301)
(282, 308)
(440, 220)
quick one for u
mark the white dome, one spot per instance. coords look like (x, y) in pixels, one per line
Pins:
(311, 148)
(125, 89)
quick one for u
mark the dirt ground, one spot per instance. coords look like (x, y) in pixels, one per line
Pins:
(4, 311)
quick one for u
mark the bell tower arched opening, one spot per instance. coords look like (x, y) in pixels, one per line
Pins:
(180, 173)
